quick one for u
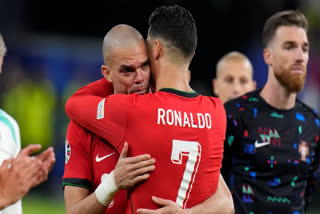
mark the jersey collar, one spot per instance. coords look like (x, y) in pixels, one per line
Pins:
(180, 93)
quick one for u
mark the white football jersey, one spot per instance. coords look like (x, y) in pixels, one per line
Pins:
(10, 145)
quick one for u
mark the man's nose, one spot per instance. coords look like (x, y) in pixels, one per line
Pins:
(299, 55)
(236, 88)
(139, 76)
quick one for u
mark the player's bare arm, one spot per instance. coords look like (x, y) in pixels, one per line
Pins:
(219, 203)
(128, 172)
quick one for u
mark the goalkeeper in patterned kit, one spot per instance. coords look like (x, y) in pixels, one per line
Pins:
(181, 129)
(272, 148)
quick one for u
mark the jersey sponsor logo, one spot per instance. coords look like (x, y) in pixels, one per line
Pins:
(67, 151)
(100, 110)
(98, 159)
(184, 119)
(258, 145)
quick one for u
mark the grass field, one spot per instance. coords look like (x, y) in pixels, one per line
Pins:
(38, 205)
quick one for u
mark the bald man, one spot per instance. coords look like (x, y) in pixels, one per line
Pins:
(234, 76)
(89, 157)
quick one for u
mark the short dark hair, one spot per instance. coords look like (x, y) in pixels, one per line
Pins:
(284, 18)
(176, 25)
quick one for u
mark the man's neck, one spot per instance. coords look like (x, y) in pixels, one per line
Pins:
(276, 95)
(172, 76)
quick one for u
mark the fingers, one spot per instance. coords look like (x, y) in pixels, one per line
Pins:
(141, 178)
(160, 201)
(124, 152)
(7, 163)
(31, 148)
(144, 170)
(167, 206)
(149, 162)
(145, 211)
(49, 162)
(139, 158)
(48, 158)
(45, 154)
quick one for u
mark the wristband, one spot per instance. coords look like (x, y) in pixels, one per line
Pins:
(107, 189)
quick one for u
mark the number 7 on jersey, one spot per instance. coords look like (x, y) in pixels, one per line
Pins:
(191, 149)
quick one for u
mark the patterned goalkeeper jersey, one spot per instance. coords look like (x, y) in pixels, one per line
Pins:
(271, 157)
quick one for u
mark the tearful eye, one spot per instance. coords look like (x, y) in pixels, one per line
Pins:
(126, 69)
(145, 64)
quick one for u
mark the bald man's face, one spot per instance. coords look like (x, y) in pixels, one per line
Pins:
(129, 70)
(234, 78)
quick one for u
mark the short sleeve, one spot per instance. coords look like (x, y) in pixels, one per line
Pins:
(78, 170)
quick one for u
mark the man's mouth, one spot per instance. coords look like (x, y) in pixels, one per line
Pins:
(298, 70)
(139, 91)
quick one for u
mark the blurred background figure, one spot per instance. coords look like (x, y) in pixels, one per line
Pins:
(234, 76)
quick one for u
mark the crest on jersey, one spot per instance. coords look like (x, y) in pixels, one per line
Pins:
(67, 151)
(100, 110)
(304, 150)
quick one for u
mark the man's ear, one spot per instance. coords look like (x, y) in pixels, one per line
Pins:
(106, 72)
(254, 85)
(267, 56)
(157, 49)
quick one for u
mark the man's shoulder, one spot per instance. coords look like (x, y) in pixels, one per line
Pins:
(77, 132)
(9, 133)
(7, 119)
(243, 101)
(303, 107)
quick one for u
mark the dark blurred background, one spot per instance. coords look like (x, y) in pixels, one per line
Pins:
(54, 47)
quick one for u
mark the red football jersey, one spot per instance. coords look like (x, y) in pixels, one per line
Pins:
(88, 157)
(183, 131)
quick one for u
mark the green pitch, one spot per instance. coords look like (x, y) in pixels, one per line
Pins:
(37, 205)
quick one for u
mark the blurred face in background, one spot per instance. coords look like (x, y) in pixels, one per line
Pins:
(233, 79)
(129, 70)
(287, 56)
